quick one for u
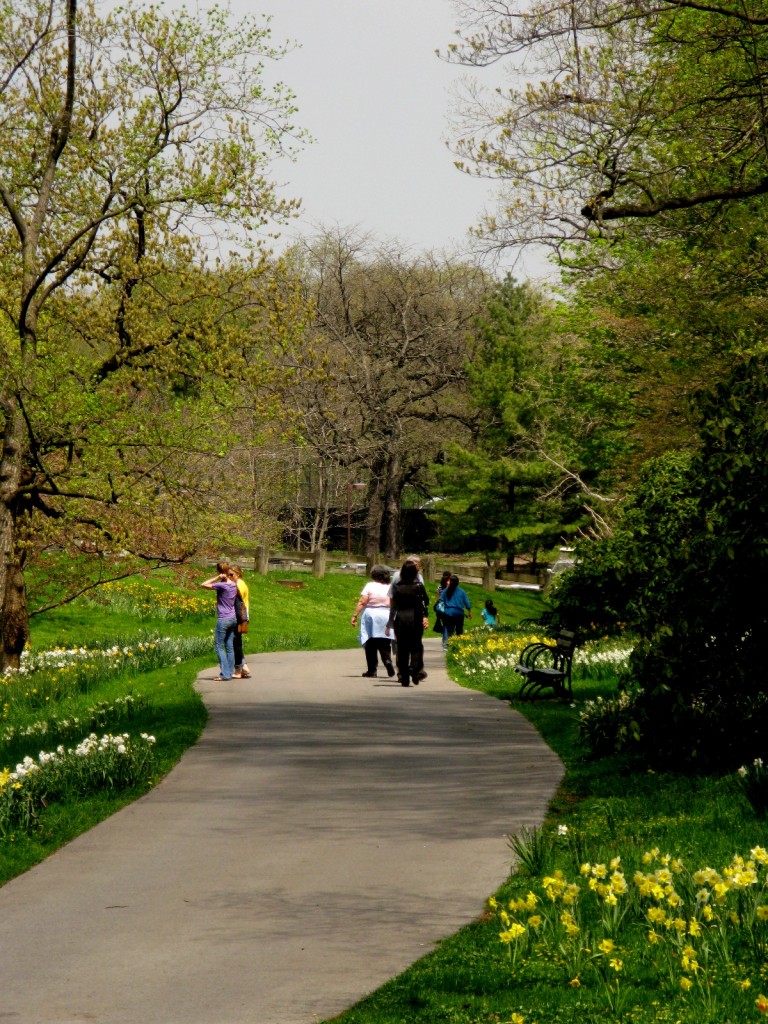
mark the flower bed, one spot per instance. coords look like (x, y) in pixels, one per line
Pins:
(47, 676)
(113, 762)
(697, 936)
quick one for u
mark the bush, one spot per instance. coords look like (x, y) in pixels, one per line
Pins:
(683, 562)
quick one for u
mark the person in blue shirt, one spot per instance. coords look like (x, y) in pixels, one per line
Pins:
(490, 613)
(455, 604)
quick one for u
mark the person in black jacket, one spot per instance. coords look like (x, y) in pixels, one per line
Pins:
(409, 605)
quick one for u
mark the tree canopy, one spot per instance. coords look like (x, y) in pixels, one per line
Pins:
(627, 111)
(383, 366)
(138, 139)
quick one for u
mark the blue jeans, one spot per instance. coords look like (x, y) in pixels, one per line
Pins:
(224, 642)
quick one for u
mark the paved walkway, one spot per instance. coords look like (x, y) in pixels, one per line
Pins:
(324, 833)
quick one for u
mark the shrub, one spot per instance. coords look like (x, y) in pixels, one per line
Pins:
(683, 561)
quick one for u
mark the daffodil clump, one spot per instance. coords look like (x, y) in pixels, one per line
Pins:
(62, 727)
(610, 724)
(147, 602)
(46, 676)
(489, 653)
(700, 937)
(116, 762)
(753, 779)
(602, 659)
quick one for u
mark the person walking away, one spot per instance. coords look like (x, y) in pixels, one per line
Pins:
(373, 611)
(455, 604)
(445, 579)
(408, 617)
(241, 669)
(416, 559)
(226, 620)
(490, 613)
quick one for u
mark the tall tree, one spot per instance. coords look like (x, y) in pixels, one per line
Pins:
(391, 338)
(133, 131)
(549, 428)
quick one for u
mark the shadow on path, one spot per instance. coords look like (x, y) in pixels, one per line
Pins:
(324, 833)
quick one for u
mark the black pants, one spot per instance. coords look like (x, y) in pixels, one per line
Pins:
(377, 646)
(237, 641)
(410, 650)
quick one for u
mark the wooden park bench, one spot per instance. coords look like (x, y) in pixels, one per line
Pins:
(548, 666)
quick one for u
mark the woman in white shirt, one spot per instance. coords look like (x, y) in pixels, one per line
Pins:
(373, 611)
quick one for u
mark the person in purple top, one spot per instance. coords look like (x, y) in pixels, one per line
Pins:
(226, 620)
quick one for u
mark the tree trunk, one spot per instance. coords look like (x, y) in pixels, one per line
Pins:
(392, 516)
(373, 518)
(14, 618)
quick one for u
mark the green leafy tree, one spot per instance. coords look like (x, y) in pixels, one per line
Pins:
(640, 111)
(547, 430)
(684, 570)
(135, 134)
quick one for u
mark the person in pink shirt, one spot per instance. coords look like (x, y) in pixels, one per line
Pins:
(373, 612)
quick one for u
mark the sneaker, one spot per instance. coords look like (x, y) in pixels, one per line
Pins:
(369, 675)
(422, 674)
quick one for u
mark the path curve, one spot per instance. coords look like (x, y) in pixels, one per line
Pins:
(322, 835)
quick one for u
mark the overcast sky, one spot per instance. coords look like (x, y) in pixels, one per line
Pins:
(374, 95)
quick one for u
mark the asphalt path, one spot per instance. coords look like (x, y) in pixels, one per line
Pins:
(324, 833)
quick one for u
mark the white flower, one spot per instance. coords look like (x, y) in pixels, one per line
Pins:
(562, 830)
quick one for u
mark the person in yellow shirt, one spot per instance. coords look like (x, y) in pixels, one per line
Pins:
(241, 669)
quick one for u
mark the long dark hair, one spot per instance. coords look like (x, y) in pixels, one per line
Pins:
(451, 588)
(409, 573)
